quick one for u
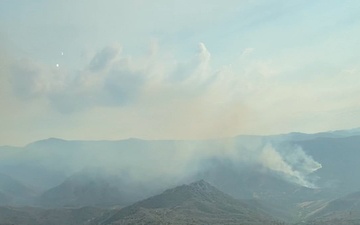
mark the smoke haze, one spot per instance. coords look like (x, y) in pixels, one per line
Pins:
(166, 162)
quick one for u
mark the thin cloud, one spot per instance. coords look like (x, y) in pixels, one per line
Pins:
(156, 96)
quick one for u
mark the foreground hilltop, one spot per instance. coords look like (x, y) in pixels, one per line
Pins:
(196, 203)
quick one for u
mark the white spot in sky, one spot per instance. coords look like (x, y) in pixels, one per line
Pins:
(62, 53)
(57, 65)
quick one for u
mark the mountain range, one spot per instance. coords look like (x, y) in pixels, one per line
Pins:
(294, 178)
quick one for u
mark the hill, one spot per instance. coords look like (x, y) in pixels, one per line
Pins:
(196, 203)
(339, 160)
(342, 211)
(40, 216)
(82, 189)
(13, 192)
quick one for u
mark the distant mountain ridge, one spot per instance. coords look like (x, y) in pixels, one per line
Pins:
(292, 136)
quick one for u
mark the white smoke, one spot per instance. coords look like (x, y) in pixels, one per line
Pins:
(295, 165)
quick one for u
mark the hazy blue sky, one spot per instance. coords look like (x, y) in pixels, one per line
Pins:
(91, 69)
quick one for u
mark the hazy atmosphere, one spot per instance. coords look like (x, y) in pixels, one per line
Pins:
(110, 70)
(122, 112)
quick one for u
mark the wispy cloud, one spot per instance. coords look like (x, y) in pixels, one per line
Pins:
(162, 97)
(260, 67)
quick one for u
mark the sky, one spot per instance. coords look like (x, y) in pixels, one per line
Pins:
(91, 69)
